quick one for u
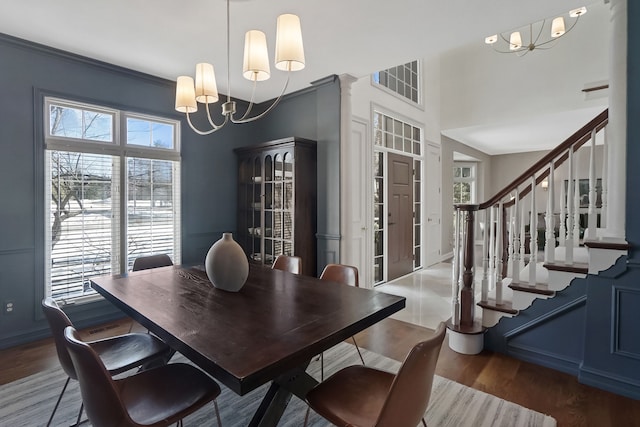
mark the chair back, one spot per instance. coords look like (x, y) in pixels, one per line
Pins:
(151, 261)
(410, 391)
(292, 264)
(100, 396)
(58, 321)
(341, 273)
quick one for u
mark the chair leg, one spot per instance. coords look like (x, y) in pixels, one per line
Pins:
(358, 349)
(306, 416)
(55, 408)
(215, 405)
(80, 414)
(321, 367)
(424, 423)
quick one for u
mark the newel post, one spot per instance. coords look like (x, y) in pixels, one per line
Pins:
(467, 303)
(465, 334)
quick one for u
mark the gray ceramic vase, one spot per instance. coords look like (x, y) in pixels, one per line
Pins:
(226, 264)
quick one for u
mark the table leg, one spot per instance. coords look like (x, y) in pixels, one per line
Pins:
(296, 382)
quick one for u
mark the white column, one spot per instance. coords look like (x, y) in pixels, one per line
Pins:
(616, 130)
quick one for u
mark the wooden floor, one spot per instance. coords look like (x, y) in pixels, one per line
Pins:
(544, 390)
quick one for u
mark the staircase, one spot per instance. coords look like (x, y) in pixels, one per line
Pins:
(527, 285)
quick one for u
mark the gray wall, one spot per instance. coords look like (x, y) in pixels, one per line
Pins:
(209, 166)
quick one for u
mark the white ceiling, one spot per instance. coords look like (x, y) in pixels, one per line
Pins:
(167, 38)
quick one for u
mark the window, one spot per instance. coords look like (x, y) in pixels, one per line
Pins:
(403, 80)
(464, 182)
(112, 193)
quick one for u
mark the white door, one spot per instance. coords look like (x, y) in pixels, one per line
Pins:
(356, 210)
(433, 205)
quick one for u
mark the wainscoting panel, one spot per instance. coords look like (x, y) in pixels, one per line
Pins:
(626, 319)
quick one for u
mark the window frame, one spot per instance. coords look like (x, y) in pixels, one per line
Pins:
(383, 205)
(472, 179)
(121, 152)
(375, 82)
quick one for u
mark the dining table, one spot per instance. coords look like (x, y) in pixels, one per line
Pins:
(268, 332)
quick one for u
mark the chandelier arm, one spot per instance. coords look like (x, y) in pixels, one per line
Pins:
(200, 132)
(246, 113)
(211, 122)
(505, 39)
(271, 107)
(535, 43)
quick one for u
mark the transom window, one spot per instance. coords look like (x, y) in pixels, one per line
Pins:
(403, 80)
(396, 134)
(112, 193)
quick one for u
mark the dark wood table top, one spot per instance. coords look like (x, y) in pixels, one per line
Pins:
(277, 321)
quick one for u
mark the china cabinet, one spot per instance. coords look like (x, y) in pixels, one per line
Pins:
(277, 201)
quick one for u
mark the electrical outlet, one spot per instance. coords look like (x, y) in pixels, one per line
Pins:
(8, 307)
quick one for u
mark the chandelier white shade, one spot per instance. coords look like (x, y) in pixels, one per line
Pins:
(289, 49)
(256, 57)
(289, 56)
(537, 35)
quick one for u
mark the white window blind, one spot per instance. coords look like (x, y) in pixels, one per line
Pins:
(83, 220)
(92, 227)
(152, 207)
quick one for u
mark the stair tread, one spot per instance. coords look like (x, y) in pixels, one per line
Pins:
(576, 267)
(505, 307)
(538, 288)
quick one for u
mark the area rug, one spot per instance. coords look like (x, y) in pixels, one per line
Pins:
(29, 401)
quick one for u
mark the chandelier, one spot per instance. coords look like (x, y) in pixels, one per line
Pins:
(289, 56)
(536, 39)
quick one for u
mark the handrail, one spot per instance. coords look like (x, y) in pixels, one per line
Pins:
(575, 141)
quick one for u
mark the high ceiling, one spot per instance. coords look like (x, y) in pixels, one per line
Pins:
(167, 38)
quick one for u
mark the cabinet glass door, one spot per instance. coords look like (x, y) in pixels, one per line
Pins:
(287, 204)
(254, 210)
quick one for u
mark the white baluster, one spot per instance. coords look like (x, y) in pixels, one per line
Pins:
(576, 213)
(515, 256)
(533, 232)
(562, 232)
(570, 206)
(592, 218)
(550, 243)
(485, 258)
(499, 250)
(455, 270)
(523, 222)
(604, 183)
(492, 248)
